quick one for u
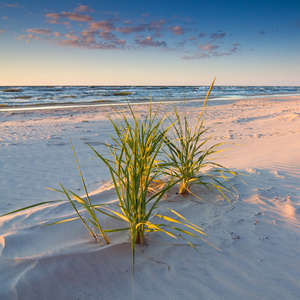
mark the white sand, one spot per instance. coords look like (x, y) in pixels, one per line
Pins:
(259, 234)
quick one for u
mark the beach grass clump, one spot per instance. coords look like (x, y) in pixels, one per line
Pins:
(133, 165)
(186, 157)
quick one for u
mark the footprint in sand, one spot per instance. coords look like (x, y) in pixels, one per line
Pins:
(256, 135)
(53, 140)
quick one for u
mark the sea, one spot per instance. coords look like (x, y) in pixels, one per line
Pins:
(24, 96)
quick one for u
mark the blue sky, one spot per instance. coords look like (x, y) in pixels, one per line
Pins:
(150, 42)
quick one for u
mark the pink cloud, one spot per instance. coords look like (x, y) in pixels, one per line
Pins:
(103, 25)
(71, 16)
(83, 8)
(108, 36)
(31, 36)
(77, 17)
(53, 21)
(72, 37)
(4, 18)
(28, 37)
(2, 31)
(176, 30)
(56, 33)
(208, 47)
(88, 33)
(58, 22)
(72, 43)
(128, 30)
(53, 16)
(42, 31)
(148, 41)
(88, 37)
(10, 5)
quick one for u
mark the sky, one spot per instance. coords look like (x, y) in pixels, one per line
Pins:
(158, 42)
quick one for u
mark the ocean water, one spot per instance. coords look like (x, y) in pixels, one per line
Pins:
(37, 95)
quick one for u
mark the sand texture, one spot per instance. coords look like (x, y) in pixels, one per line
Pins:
(258, 233)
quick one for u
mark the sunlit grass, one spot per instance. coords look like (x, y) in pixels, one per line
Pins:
(187, 157)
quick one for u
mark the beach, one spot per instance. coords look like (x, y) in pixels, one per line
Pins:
(257, 234)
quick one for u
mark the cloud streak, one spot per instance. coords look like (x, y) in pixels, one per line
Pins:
(71, 16)
(42, 31)
(11, 5)
(148, 41)
(83, 8)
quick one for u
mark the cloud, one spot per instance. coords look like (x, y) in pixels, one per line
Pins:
(53, 16)
(31, 36)
(12, 5)
(72, 37)
(216, 36)
(72, 43)
(208, 47)
(77, 17)
(4, 18)
(102, 25)
(209, 50)
(148, 41)
(59, 22)
(234, 48)
(71, 16)
(128, 30)
(176, 30)
(42, 31)
(157, 27)
(196, 56)
(107, 36)
(182, 43)
(262, 32)
(28, 37)
(56, 33)
(87, 39)
(83, 8)
(2, 31)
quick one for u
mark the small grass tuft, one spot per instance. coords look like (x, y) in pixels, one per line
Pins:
(186, 156)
